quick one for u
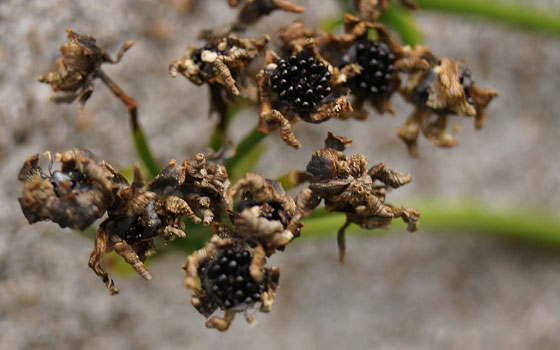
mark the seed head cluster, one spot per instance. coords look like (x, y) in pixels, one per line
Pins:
(378, 67)
(301, 82)
(227, 281)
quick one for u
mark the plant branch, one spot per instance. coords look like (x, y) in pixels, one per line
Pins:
(140, 141)
(245, 146)
(507, 12)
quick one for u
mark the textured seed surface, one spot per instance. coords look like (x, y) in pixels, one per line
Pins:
(302, 82)
(377, 62)
(227, 281)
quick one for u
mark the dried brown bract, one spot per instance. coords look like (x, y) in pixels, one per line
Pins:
(346, 185)
(441, 87)
(368, 66)
(203, 185)
(371, 10)
(227, 276)
(74, 196)
(266, 215)
(137, 217)
(303, 86)
(220, 64)
(78, 67)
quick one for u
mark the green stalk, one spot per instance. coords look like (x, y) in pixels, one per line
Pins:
(531, 226)
(403, 22)
(245, 146)
(507, 12)
(144, 152)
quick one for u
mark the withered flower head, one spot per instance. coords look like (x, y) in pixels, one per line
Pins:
(220, 63)
(79, 65)
(227, 276)
(200, 183)
(367, 65)
(137, 217)
(441, 87)
(346, 185)
(303, 86)
(371, 10)
(266, 215)
(74, 196)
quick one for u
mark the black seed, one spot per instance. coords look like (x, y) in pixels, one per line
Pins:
(222, 279)
(232, 265)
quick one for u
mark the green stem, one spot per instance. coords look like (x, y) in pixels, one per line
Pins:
(403, 22)
(516, 14)
(144, 152)
(245, 146)
(528, 225)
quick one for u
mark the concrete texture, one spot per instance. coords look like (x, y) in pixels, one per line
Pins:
(399, 291)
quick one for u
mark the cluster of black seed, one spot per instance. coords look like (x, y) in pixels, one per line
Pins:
(301, 82)
(227, 281)
(132, 229)
(466, 81)
(378, 67)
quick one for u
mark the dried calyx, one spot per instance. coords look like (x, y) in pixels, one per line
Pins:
(439, 87)
(79, 66)
(266, 215)
(346, 185)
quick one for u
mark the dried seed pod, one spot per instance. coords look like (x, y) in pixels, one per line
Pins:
(220, 63)
(301, 86)
(368, 66)
(203, 185)
(74, 196)
(224, 275)
(441, 87)
(137, 217)
(346, 185)
(266, 215)
(371, 10)
(78, 67)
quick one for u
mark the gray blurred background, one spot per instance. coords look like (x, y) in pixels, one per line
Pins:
(428, 290)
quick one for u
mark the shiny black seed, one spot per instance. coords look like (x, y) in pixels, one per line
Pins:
(232, 265)
(222, 279)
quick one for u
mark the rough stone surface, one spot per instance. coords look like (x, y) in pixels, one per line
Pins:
(398, 291)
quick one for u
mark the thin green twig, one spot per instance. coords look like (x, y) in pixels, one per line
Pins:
(403, 22)
(144, 152)
(529, 226)
(245, 146)
(507, 12)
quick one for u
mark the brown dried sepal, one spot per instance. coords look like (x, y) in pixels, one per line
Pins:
(79, 65)
(266, 216)
(434, 87)
(137, 217)
(74, 196)
(268, 277)
(371, 10)
(274, 114)
(346, 185)
(202, 184)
